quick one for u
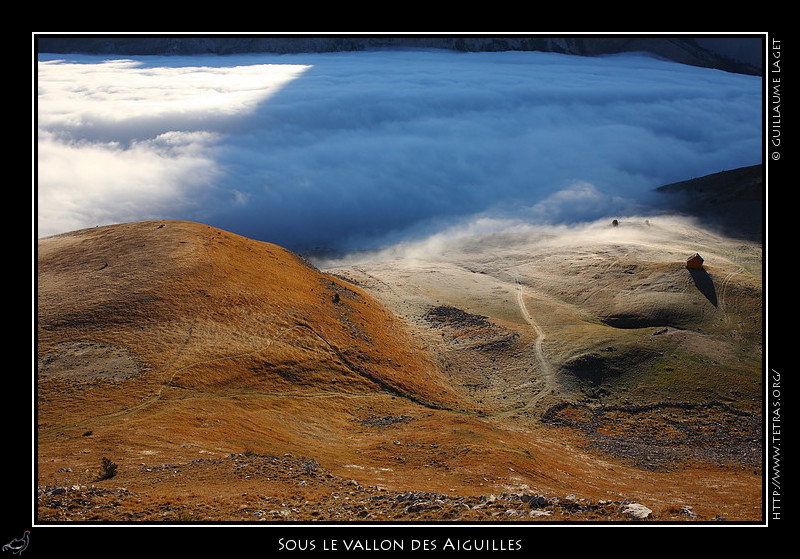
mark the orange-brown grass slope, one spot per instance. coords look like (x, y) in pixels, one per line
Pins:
(203, 309)
(174, 326)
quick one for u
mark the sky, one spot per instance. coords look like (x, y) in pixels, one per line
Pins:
(356, 151)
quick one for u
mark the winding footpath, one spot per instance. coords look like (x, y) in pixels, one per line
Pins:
(544, 365)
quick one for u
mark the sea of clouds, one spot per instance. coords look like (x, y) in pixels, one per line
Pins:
(347, 151)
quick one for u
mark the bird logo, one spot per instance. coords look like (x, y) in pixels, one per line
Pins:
(18, 545)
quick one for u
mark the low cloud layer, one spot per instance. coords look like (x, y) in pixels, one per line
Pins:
(358, 150)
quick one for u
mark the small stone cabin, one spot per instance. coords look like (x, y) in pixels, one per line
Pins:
(695, 261)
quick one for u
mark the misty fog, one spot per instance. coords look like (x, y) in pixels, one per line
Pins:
(360, 150)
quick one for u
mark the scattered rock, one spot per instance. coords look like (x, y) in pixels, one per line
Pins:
(636, 511)
(335, 499)
(471, 329)
(375, 420)
(662, 435)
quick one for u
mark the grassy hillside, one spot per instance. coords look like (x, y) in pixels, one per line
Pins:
(226, 378)
(732, 200)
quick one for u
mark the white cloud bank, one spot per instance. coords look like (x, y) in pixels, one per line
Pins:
(350, 150)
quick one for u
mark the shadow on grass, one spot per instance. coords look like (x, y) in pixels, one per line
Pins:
(704, 283)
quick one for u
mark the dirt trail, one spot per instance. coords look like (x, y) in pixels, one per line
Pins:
(544, 365)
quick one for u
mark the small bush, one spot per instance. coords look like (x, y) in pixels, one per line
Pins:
(108, 469)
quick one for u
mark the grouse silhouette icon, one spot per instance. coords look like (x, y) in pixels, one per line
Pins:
(18, 545)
